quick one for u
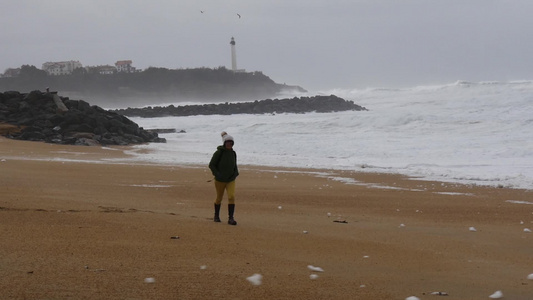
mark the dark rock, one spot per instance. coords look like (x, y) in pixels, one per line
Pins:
(54, 139)
(134, 139)
(23, 105)
(81, 135)
(32, 136)
(120, 140)
(83, 106)
(12, 94)
(80, 128)
(38, 118)
(167, 130)
(26, 121)
(86, 142)
(43, 123)
(320, 104)
(55, 119)
(100, 130)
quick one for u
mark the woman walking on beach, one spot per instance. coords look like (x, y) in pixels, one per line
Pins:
(223, 165)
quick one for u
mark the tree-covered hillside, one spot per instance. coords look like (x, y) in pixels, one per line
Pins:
(153, 85)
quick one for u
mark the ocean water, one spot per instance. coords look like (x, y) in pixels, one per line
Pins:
(466, 132)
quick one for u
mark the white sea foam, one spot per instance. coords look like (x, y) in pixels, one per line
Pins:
(150, 185)
(473, 133)
(256, 279)
(454, 194)
(519, 202)
(316, 269)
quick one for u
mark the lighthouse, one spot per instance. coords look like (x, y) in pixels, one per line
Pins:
(233, 55)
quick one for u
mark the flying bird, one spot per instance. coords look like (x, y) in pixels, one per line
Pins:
(239, 16)
(202, 11)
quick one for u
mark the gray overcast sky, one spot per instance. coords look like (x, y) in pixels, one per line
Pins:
(317, 44)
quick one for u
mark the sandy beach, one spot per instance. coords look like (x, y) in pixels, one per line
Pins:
(76, 225)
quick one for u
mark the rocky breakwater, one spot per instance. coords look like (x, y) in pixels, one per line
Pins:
(39, 116)
(319, 104)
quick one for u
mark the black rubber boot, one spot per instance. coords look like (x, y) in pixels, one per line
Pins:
(217, 213)
(231, 210)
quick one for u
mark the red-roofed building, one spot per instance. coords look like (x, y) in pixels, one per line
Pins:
(124, 66)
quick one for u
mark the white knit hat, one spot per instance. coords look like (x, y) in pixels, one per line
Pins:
(226, 137)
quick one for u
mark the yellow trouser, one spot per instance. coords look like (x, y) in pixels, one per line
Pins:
(228, 186)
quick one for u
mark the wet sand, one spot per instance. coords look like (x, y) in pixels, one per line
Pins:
(75, 225)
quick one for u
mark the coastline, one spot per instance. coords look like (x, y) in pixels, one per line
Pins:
(98, 229)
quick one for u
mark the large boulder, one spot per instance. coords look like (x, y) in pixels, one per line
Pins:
(36, 117)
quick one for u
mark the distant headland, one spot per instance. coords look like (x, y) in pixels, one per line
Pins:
(150, 86)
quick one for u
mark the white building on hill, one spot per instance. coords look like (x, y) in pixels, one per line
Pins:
(103, 70)
(61, 67)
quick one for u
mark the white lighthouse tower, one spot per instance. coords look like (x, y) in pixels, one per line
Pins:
(233, 55)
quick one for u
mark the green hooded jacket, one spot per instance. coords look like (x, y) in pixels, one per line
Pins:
(223, 165)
